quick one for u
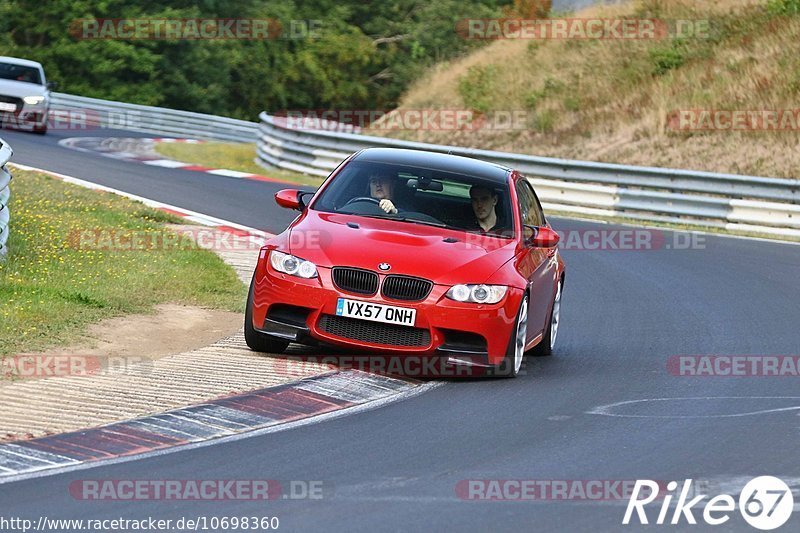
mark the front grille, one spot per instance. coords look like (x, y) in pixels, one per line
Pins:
(355, 280)
(11, 100)
(374, 332)
(406, 288)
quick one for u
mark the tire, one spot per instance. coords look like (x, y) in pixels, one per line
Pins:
(512, 362)
(41, 126)
(548, 342)
(257, 341)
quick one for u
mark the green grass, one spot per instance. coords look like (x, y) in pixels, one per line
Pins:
(51, 290)
(230, 156)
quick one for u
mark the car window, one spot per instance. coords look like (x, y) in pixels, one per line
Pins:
(530, 210)
(421, 195)
(22, 73)
(537, 205)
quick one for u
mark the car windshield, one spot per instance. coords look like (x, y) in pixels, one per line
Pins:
(9, 71)
(419, 196)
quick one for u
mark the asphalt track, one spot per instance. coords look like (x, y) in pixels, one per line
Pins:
(396, 468)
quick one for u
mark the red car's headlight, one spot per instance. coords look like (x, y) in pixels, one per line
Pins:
(479, 294)
(294, 266)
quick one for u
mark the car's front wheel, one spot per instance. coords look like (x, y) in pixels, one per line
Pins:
(548, 342)
(512, 363)
(256, 340)
(40, 125)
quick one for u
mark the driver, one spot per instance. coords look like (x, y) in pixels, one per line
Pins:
(381, 187)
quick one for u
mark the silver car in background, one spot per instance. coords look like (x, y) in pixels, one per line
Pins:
(24, 95)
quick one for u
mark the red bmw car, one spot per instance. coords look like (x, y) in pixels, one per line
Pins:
(407, 252)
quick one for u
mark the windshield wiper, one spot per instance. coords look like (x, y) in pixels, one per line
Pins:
(424, 222)
(478, 232)
(405, 219)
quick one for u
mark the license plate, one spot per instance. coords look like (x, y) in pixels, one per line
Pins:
(4, 106)
(387, 314)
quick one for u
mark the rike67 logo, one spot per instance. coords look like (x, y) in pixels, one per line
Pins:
(765, 503)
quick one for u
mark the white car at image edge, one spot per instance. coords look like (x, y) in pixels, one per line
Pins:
(24, 94)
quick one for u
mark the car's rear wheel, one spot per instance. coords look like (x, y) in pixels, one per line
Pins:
(545, 347)
(256, 340)
(512, 362)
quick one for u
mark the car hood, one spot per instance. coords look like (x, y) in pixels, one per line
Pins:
(21, 89)
(411, 249)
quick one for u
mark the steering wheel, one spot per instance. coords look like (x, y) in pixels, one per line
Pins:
(362, 199)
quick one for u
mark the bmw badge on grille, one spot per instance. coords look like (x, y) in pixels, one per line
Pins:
(384, 266)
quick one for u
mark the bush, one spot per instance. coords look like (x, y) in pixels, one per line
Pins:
(784, 7)
(666, 58)
(476, 88)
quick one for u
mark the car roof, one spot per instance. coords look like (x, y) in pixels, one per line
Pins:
(435, 161)
(19, 61)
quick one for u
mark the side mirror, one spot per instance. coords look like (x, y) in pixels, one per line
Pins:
(289, 198)
(52, 85)
(543, 237)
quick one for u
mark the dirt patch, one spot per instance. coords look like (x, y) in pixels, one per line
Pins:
(172, 329)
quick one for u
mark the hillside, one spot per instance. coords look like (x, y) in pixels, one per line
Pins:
(617, 100)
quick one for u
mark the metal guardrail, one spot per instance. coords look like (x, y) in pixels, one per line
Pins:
(730, 201)
(155, 120)
(5, 194)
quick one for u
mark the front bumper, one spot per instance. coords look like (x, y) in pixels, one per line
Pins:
(304, 311)
(25, 116)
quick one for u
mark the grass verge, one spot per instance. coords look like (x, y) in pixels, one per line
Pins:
(230, 156)
(51, 289)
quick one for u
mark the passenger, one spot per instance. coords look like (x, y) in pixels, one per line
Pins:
(484, 200)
